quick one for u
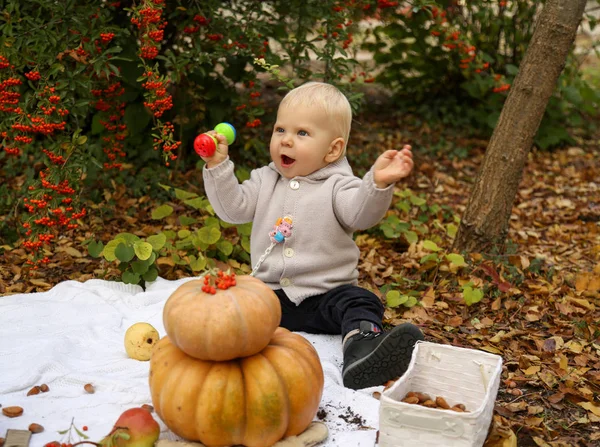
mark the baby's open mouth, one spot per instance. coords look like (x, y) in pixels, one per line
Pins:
(286, 161)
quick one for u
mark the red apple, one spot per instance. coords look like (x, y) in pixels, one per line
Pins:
(135, 428)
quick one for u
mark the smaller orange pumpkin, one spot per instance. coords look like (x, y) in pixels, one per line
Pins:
(253, 401)
(236, 322)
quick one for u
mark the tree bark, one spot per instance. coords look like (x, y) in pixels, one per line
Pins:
(484, 223)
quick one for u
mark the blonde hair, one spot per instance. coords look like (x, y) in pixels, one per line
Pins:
(330, 99)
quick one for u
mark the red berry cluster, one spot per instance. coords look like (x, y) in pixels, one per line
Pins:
(452, 39)
(9, 100)
(367, 79)
(215, 37)
(166, 141)
(148, 18)
(106, 37)
(250, 98)
(337, 26)
(199, 22)
(51, 208)
(112, 118)
(49, 204)
(221, 281)
(47, 119)
(33, 75)
(383, 4)
(254, 123)
(158, 99)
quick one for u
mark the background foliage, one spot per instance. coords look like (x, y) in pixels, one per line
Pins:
(96, 94)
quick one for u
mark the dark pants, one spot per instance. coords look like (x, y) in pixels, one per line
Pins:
(338, 311)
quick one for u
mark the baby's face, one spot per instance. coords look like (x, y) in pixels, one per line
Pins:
(301, 139)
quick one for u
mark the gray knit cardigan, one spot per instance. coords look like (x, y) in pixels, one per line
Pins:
(326, 207)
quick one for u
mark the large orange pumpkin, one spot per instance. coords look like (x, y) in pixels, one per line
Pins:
(254, 401)
(236, 322)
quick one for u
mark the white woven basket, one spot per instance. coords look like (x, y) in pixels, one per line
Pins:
(459, 375)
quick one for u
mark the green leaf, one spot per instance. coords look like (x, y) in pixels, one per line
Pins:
(143, 250)
(388, 231)
(184, 195)
(511, 69)
(394, 299)
(430, 245)
(246, 243)
(81, 435)
(129, 238)
(410, 302)
(198, 203)
(97, 126)
(456, 259)
(139, 267)
(212, 222)
(187, 221)
(244, 229)
(198, 264)
(95, 248)
(209, 235)
(200, 246)
(182, 234)
(109, 249)
(242, 174)
(411, 237)
(430, 257)
(81, 140)
(451, 230)
(418, 201)
(136, 118)
(184, 244)
(157, 241)
(161, 212)
(225, 247)
(471, 295)
(121, 434)
(226, 224)
(150, 275)
(124, 253)
(130, 277)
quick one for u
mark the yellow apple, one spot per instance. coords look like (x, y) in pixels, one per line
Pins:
(139, 341)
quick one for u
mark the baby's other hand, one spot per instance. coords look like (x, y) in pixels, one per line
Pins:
(221, 152)
(392, 166)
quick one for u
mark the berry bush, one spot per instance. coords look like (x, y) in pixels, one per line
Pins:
(97, 92)
(92, 91)
(456, 60)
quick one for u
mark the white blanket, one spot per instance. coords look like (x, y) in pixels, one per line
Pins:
(73, 335)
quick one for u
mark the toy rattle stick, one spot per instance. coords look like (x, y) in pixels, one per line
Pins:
(205, 145)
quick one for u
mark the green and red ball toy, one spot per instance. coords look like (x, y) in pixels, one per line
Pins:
(205, 145)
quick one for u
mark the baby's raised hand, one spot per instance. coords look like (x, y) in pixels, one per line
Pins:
(221, 152)
(392, 166)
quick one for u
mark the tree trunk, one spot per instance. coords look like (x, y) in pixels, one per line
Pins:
(484, 224)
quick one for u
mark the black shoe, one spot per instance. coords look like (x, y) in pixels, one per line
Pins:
(373, 358)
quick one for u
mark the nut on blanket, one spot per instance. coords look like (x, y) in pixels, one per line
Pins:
(314, 434)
